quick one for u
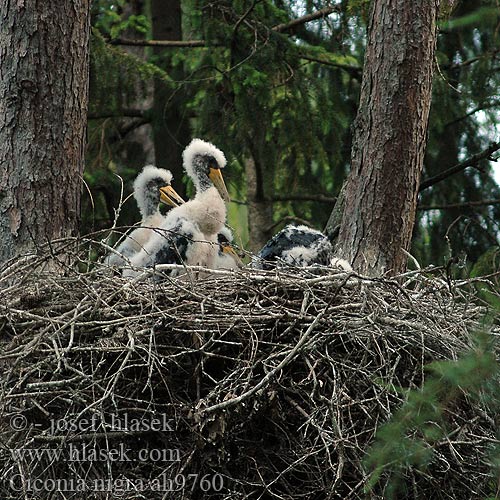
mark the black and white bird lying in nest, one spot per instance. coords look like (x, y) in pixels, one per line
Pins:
(189, 233)
(298, 246)
(151, 186)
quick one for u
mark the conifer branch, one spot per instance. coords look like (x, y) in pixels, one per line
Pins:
(354, 71)
(470, 162)
(465, 204)
(326, 11)
(491, 54)
(121, 113)
(280, 28)
(490, 105)
(319, 198)
(305, 197)
(158, 43)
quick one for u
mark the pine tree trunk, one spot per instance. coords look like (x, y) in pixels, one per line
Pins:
(389, 136)
(170, 128)
(43, 113)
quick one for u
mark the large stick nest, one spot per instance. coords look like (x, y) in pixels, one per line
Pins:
(237, 385)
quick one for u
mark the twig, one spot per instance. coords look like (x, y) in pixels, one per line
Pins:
(269, 375)
(465, 204)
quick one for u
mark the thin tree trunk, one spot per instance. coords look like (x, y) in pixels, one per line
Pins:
(138, 147)
(389, 136)
(170, 129)
(43, 110)
(260, 211)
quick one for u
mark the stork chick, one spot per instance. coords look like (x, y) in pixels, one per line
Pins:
(227, 257)
(298, 246)
(188, 234)
(151, 186)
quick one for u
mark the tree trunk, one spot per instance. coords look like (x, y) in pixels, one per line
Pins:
(43, 112)
(260, 210)
(170, 128)
(137, 149)
(389, 136)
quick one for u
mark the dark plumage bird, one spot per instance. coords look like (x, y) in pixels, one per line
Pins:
(298, 246)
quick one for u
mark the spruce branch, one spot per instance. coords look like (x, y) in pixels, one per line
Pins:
(465, 204)
(470, 162)
(326, 11)
(158, 43)
(305, 197)
(121, 113)
(279, 28)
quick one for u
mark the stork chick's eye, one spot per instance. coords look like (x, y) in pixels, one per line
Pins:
(210, 163)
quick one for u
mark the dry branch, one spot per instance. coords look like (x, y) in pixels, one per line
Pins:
(469, 162)
(271, 382)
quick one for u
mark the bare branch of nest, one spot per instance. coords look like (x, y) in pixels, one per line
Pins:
(268, 383)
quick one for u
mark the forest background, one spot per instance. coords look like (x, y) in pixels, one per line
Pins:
(279, 98)
(276, 85)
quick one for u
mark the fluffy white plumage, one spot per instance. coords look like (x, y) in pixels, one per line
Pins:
(188, 234)
(200, 148)
(341, 264)
(147, 196)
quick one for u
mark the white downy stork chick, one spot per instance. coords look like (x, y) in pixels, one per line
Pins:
(227, 257)
(298, 246)
(151, 186)
(189, 233)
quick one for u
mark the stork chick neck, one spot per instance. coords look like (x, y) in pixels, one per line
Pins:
(207, 210)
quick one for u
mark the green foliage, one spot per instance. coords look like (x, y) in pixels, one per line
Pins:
(108, 19)
(409, 439)
(478, 18)
(489, 265)
(463, 120)
(271, 105)
(118, 78)
(289, 99)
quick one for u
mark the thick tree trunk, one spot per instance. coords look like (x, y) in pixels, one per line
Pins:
(43, 113)
(389, 136)
(170, 128)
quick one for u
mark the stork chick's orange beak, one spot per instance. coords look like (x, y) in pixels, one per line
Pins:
(229, 250)
(215, 176)
(169, 196)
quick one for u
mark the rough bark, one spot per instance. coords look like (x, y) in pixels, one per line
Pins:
(332, 227)
(170, 128)
(138, 147)
(260, 210)
(389, 136)
(43, 107)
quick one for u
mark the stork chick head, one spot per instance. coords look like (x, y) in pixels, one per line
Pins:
(225, 239)
(147, 190)
(203, 162)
